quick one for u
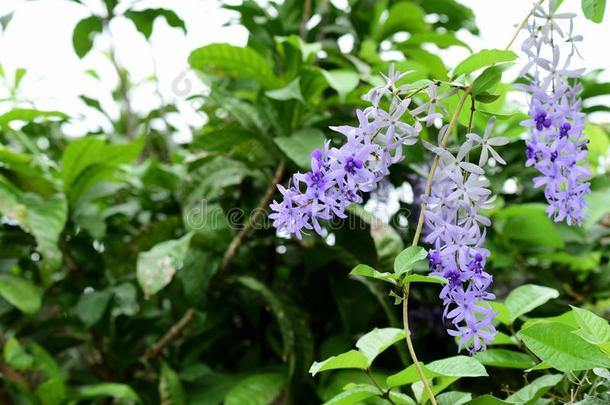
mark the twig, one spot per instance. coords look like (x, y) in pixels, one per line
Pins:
(258, 212)
(123, 88)
(13, 375)
(175, 331)
(521, 25)
(384, 393)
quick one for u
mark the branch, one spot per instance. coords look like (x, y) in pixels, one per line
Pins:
(174, 332)
(258, 212)
(13, 375)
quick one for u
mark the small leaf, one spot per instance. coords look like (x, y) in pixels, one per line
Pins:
(354, 395)
(486, 57)
(91, 306)
(113, 390)
(21, 293)
(85, 30)
(342, 80)
(453, 398)
(593, 328)
(292, 91)
(15, 356)
(458, 366)
(594, 9)
(376, 341)
(233, 61)
(488, 80)
(170, 387)
(535, 389)
(419, 278)
(145, 19)
(368, 271)
(556, 345)
(526, 298)
(156, 267)
(406, 260)
(257, 389)
(299, 145)
(351, 359)
(505, 358)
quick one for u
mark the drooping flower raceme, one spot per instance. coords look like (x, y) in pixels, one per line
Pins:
(556, 147)
(456, 229)
(339, 176)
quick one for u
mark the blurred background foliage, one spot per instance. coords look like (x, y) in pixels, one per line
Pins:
(138, 269)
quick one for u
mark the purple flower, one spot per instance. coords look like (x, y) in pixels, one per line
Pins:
(556, 147)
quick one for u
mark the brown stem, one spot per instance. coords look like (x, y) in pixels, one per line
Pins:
(305, 18)
(12, 375)
(258, 212)
(174, 332)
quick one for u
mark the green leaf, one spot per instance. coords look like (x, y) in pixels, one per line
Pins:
(20, 293)
(597, 207)
(529, 224)
(89, 160)
(593, 328)
(91, 306)
(453, 398)
(376, 341)
(441, 39)
(556, 345)
(594, 9)
(84, 32)
(458, 366)
(170, 387)
(145, 19)
(406, 260)
(487, 400)
(407, 376)
(299, 145)
(503, 313)
(402, 16)
(26, 114)
(156, 267)
(486, 57)
(113, 390)
(351, 359)
(419, 278)
(535, 389)
(342, 80)
(368, 271)
(505, 358)
(52, 391)
(235, 62)
(354, 395)
(527, 297)
(258, 389)
(292, 91)
(15, 356)
(488, 80)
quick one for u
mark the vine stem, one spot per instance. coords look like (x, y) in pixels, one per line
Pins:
(521, 25)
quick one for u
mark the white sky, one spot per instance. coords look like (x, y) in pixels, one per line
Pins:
(39, 38)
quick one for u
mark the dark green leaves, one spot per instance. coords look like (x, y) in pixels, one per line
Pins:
(258, 389)
(594, 9)
(145, 19)
(488, 80)
(233, 61)
(84, 33)
(486, 57)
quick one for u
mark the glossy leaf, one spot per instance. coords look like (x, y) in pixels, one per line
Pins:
(524, 299)
(481, 59)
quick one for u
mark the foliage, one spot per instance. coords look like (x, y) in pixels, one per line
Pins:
(142, 270)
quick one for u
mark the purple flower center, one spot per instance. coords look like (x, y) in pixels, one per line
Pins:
(542, 121)
(454, 278)
(565, 128)
(316, 179)
(554, 156)
(434, 260)
(352, 164)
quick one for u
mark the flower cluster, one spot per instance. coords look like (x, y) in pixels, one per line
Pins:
(339, 176)
(456, 229)
(556, 147)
